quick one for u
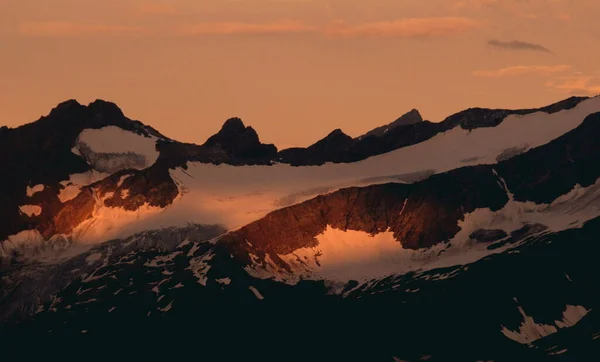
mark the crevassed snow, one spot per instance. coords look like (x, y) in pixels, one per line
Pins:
(529, 331)
(111, 148)
(24, 239)
(35, 189)
(344, 255)
(31, 210)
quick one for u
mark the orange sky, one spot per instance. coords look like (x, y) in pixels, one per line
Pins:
(293, 69)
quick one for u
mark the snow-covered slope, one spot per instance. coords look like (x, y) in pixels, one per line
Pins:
(111, 149)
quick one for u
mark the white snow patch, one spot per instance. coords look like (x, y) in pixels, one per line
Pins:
(161, 261)
(31, 210)
(35, 189)
(92, 258)
(558, 352)
(224, 281)
(200, 267)
(256, 293)
(122, 179)
(530, 331)
(112, 148)
(72, 187)
(167, 308)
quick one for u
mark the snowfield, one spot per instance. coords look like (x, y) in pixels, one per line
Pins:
(110, 149)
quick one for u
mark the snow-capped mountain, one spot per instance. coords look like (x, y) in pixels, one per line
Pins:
(472, 239)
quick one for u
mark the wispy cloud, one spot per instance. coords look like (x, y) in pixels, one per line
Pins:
(412, 27)
(577, 85)
(518, 45)
(231, 28)
(407, 28)
(75, 29)
(522, 70)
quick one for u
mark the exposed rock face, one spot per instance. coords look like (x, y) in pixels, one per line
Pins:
(402, 136)
(409, 118)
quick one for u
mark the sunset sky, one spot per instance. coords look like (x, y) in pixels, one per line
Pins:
(293, 69)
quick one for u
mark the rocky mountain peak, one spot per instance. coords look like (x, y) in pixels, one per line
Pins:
(336, 133)
(411, 117)
(233, 125)
(104, 108)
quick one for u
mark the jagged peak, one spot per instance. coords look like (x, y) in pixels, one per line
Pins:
(66, 105)
(234, 124)
(336, 132)
(103, 106)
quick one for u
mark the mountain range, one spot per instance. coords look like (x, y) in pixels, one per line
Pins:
(470, 239)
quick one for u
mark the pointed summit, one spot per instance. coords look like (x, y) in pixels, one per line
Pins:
(105, 108)
(411, 117)
(239, 143)
(233, 125)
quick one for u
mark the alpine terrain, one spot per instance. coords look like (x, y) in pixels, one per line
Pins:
(471, 239)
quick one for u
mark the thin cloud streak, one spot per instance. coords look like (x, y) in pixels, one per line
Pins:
(577, 85)
(231, 28)
(518, 45)
(409, 28)
(406, 28)
(522, 70)
(75, 29)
